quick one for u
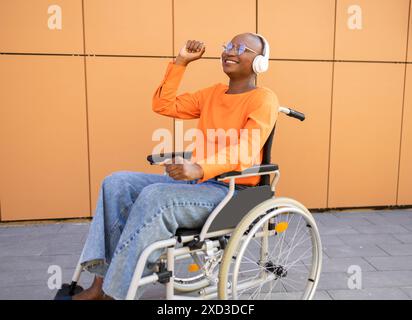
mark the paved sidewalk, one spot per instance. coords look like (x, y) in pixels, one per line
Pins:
(380, 242)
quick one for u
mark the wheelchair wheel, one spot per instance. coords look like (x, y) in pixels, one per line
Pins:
(194, 272)
(274, 253)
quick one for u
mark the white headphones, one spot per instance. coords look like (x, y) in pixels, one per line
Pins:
(261, 62)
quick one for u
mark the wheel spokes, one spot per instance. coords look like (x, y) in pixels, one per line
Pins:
(284, 268)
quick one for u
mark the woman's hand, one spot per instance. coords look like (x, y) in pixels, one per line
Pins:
(183, 169)
(191, 51)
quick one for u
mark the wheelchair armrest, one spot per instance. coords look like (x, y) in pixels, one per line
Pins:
(252, 171)
(155, 158)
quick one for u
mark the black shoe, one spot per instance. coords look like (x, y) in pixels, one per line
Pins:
(66, 292)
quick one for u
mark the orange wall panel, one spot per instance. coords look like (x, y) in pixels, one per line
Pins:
(43, 138)
(405, 171)
(298, 29)
(383, 34)
(62, 114)
(367, 106)
(409, 53)
(128, 27)
(301, 148)
(213, 22)
(121, 120)
(24, 27)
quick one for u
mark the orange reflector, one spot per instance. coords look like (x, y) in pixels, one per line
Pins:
(281, 226)
(193, 267)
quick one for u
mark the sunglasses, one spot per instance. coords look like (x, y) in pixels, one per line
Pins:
(239, 49)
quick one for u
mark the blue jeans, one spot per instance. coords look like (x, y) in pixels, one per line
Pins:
(135, 209)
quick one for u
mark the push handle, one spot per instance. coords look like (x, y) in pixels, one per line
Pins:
(292, 113)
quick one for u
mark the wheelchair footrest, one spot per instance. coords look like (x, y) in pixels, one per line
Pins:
(164, 274)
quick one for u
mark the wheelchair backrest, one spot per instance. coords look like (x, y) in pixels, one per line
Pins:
(267, 150)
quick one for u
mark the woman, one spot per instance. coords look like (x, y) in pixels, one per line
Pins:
(135, 209)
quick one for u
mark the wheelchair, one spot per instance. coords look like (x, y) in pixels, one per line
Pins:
(252, 246)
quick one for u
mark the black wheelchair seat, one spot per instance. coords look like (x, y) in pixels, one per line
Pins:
(182, 232)
(234, 210)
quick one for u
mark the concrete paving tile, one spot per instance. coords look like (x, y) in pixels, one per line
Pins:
(82, 228)
(84, 237)
(404, 237)
(369, 294)
(322, 295)
(38, 289)
(349, 238)
(63, 248)
(21, 248)
(381, 229)
(388, 219)
(353, 221)
(60, 238)
(374, 279)
(5, 235)
(333, 280)
(332, 220)
(23, 278)
(369, 239)
(325, 217)
(408, 291)
(397, 249)
(354, 251)
(42, 244)
(26, 293)
(30, 263)
(342, 264)
(395, 213)
(51, 228)
(391, 263)
(336, 230)
(12, 238)
(331, 240)
(386, 279)
(355, 214)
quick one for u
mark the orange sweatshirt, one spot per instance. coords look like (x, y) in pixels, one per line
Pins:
(215, 109)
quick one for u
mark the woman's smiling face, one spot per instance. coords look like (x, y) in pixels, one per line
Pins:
(241, 66)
